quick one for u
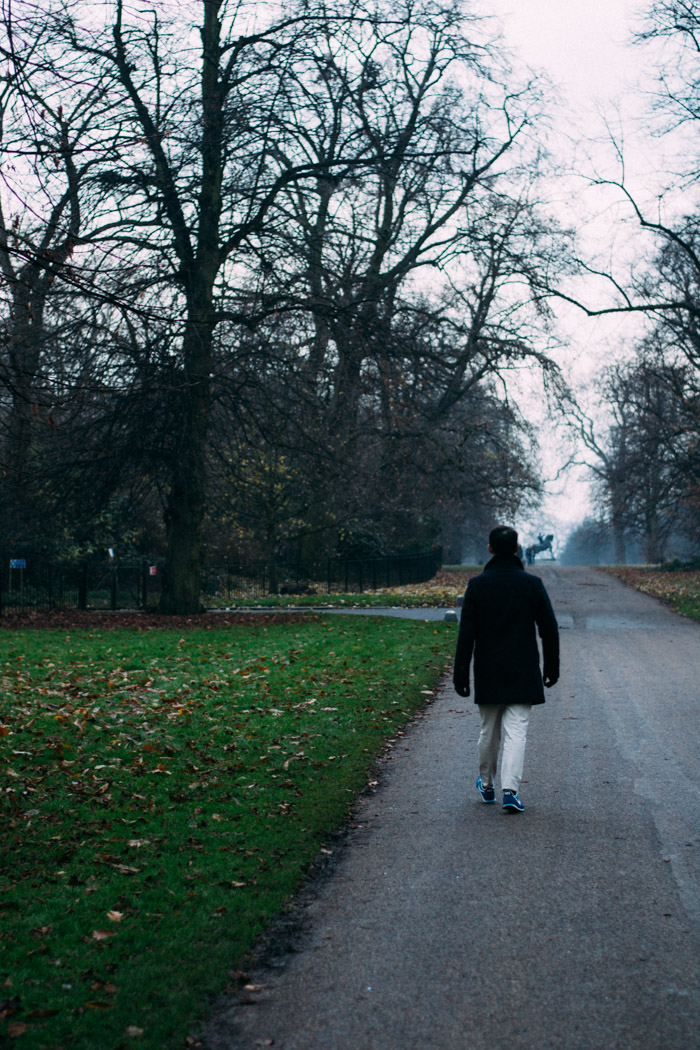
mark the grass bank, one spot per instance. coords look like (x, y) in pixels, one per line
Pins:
(442, 590)
(164, 793)
(680, 589)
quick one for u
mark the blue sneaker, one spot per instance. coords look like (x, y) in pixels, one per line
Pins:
(487, 794)
(511, 802)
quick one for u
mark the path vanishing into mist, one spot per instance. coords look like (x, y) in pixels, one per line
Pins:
(444, 923)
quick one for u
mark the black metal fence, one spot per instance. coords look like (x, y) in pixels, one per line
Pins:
(30, 584)
(33, 584)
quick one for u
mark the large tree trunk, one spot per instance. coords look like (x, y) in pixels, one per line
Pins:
(653, 537)
(24, 358)
(620, 547)
(186, 501)
(184, 514)
(618, 531)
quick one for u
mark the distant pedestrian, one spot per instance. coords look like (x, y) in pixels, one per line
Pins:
(503, 608)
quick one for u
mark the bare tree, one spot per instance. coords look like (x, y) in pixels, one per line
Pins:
(411, 279)
(256, 167)
(645, 460)
(438, 200)
(44, 197)
(663, 286)
(668, 286)
(191, 178)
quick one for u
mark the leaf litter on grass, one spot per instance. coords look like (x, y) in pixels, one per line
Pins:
(680, 590)
(164, 793)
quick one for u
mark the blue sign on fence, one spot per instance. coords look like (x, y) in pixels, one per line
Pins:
(18, 563)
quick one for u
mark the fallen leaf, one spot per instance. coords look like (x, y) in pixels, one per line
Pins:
(138, 843)
(102, 935)
(9, 1006)
(133, 1032)
(115, 916)
(113, 862)
(16, 1028)
(96, 1004)
(41, 931)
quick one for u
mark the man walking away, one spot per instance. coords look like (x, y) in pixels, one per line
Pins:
(503, 607)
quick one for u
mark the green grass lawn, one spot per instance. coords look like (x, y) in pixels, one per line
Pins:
(164, 792)
(366, 600)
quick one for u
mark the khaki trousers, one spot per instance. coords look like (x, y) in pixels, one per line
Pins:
(509, 721)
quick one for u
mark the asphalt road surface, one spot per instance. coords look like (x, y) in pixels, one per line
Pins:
(446, 923)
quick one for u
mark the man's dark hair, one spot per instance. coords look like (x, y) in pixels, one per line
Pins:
(503, 540)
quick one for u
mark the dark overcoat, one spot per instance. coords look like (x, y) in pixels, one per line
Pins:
(503, 607)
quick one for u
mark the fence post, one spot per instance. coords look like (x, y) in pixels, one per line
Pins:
(144, 585)
(113, 591)
(82, 587)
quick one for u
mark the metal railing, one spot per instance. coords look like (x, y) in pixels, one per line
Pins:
(40, 585)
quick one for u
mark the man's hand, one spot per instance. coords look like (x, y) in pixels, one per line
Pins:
(461, 689)
(550, 679)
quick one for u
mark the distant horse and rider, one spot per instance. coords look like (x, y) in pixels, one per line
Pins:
(544, 543)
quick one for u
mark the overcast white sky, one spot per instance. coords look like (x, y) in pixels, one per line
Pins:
(585, 48)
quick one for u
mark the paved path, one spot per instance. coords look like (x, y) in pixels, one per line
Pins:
(451, 925)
